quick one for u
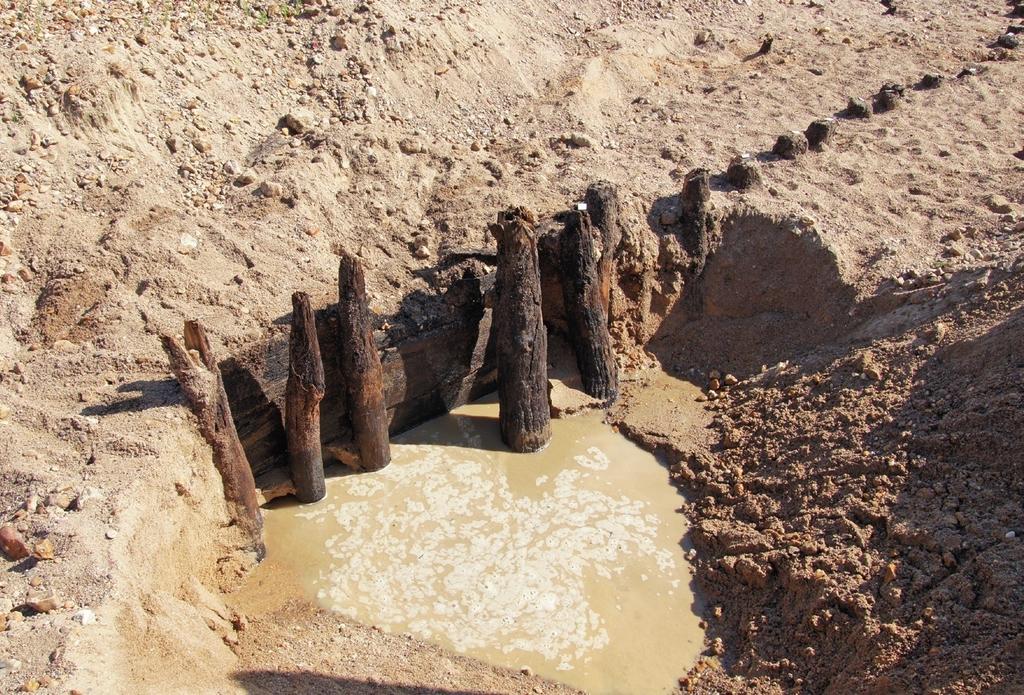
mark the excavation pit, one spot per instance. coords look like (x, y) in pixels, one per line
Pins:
(566, 562)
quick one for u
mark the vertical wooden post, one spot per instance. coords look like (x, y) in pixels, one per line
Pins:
(360, 368)
(201, 381)
(303, 394)
(743, 172)
(820, 132)
(697, 221)
(524, 409)
(602, 199)
(585, 312)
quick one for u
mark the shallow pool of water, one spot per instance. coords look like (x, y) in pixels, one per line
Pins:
(566, 561)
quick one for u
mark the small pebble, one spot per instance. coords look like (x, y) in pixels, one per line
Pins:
(43, 602)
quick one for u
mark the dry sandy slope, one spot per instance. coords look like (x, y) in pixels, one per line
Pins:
(98, 205)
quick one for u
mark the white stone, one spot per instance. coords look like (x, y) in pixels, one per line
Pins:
(86, 497)
(84, 616)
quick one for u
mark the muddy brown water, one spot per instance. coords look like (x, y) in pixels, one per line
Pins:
(565, 561)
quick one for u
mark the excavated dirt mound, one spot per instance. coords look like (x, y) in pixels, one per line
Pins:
(771, 288)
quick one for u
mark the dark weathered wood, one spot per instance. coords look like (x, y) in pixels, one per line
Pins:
(361, 368)
(697, 222)
(549, 257)
(201, 381)
(524, 409)
(462, 252)
(790, 145)
(819, 133)
(743, 172)
(428, 370)
(602, 199)
(303, 394)
(585, 312)
(889, 97)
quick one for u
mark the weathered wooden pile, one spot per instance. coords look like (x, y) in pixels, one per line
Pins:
(200, 377)
(335, 386)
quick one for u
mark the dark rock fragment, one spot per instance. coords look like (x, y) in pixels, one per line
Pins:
(1010, 41)
(820, 132)
(790, 145)
(889, 97)
(858, 108)
(743, 173)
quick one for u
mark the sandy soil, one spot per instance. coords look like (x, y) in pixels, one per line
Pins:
(857, 503)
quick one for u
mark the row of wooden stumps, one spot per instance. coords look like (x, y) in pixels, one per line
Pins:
(586, 250)
(364, 384)
(195, 367)
(585, 262)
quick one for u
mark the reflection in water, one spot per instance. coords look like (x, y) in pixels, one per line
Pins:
(566, 561)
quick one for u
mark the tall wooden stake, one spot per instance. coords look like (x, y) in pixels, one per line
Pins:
(303, 394)
(584, 309)
(201, 381)
(697, 219)
(602, 199)
(524, 410)
(360, 367)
